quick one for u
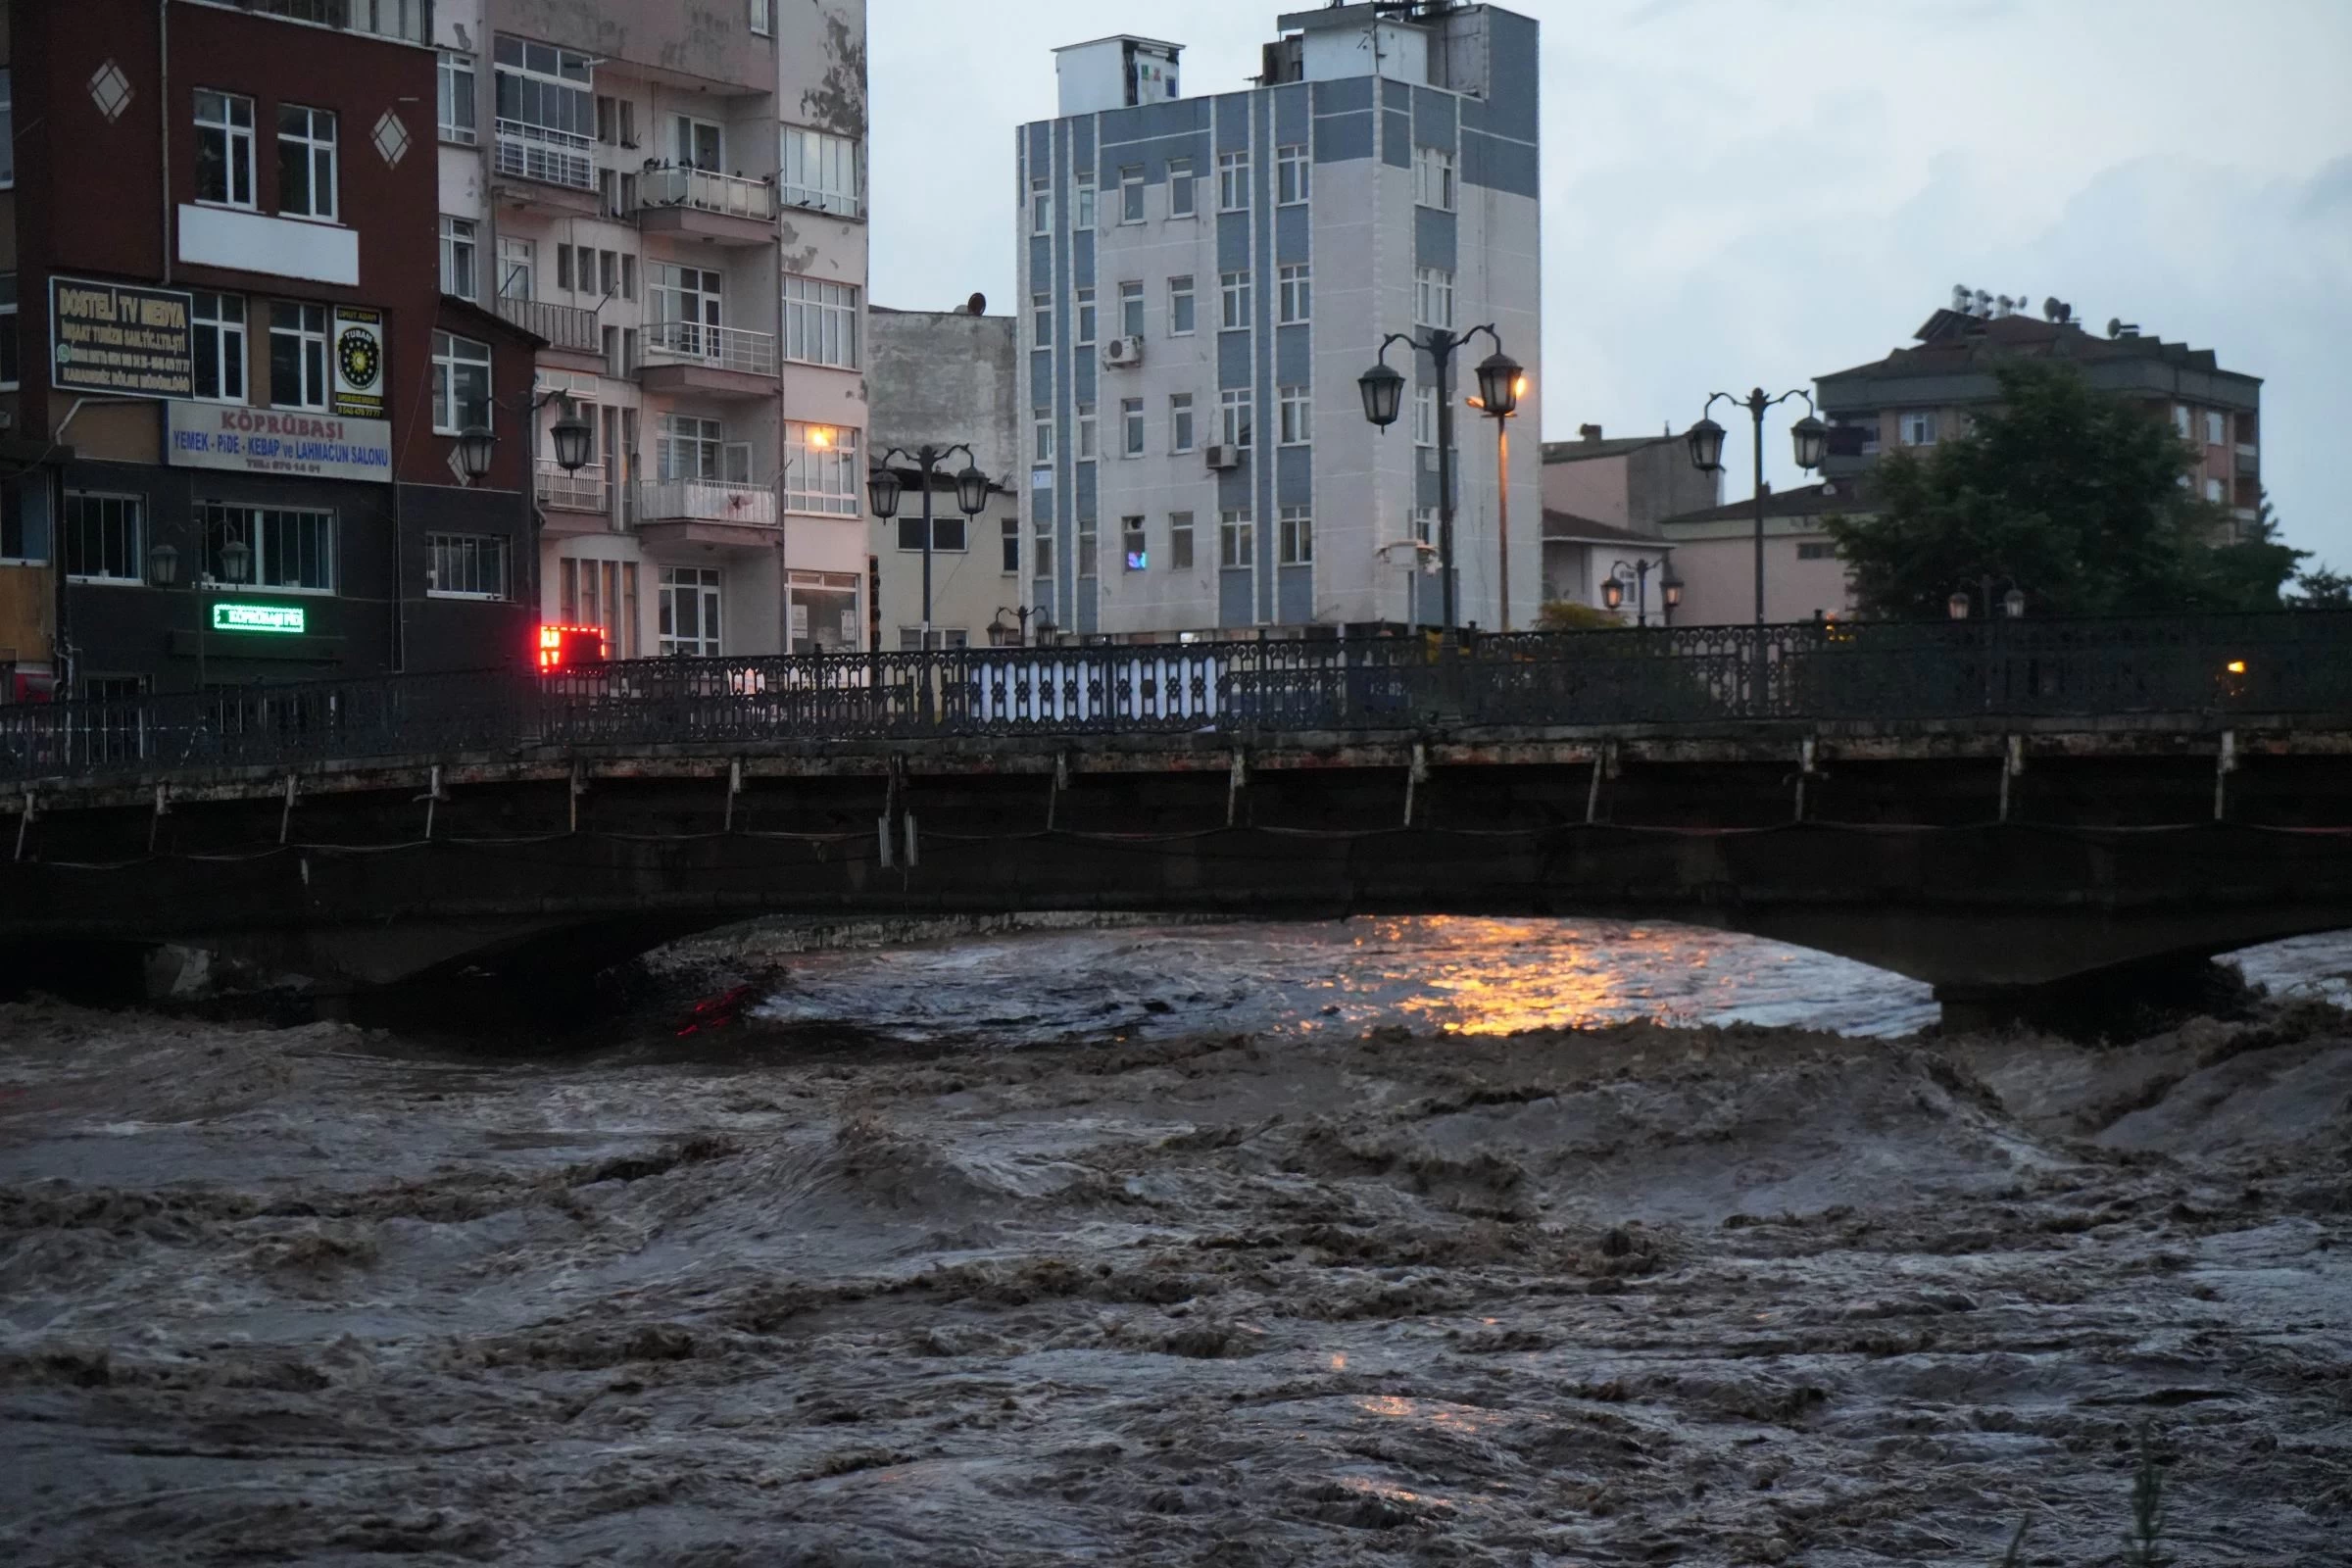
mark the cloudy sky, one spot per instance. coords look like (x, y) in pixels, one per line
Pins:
(1744, 191)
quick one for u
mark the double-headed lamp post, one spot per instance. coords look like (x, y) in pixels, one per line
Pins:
(1005, 636)
(1382, 388)
(571, 437)
(1612, 589)
(163, 570)
(883, 487)
(1811, 436)
(2012, 602)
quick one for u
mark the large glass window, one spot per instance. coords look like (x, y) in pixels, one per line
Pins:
(1041, 321)
(217, 326)
(105, 537)
(306, 162)
(1180, 541)
(1298, 542)
(1180, 422)
(822, 473)
(518, 267)
(1292, 174)
(1131, 310)
(546, 113)
(822, 172)
(690, 448)
(1295, 294)
(1234, 296)
(1298, 417)
(1233, 183)
(290, 551)
(686, 304)
(1041, 207)
(1180, 187)
(1131, 427)
(224, 148)
(1180, 306)
(700, 143)
(461, 252)
(1085, 320)
(690, 597)
(820, 322)
(297, 355)
(465, 566)
(1433, 179)
(1234, 421)
(1237, 539)
(1432, 295)
(456, 103)
(461, 384)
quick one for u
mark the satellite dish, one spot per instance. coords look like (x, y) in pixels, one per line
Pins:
(2052, 310)
(977, 305)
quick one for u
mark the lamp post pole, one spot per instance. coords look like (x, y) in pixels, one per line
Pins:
(883, 487)
(1810, 435)
(476, 446)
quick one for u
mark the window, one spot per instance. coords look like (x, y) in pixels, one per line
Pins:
(306, 162)
(1131, 310)
(947, 529)
(1425, 524)
(1180, 306)
(293, 552)
(822, 172)
(1086, 431)
(457, 95)
(8, 128)
(1232, 290)
(1131, 427)
(223, 149)
(461, 384)
(698, 143)
(1180, 541)
(1041, 547)
(459, 252)
(1180, 422)
(1041, 207)
(1088, 546)
(218, 324)
(1233, 183)
(1432, 295)
(764, 17)
(1010, 541)
(820, 322)
(1817, 550)
(546, 106)
(1425, 416)
(518, 268)
(1041, 321)
(1919, 429)
(1237, 541)
(1298, 541)
(102, 539)
(1292, 174)
(1042, 424)
(2181, 421)
(1180, 187)
(2217, 427)
(1298, 417)
(689, 611)
(297, 355)
(822, 471)
(1294, 294)
(1086, 318)
(24, 529)
(628, 279)
(2213, 489)
(11, 355)
(1082, 205)
(1233, 416)
(1433, 179)
(685, 300)
(1134, 549)
(688, 447)
(1130, 195)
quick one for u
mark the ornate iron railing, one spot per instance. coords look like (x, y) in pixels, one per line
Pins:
(2215, 670)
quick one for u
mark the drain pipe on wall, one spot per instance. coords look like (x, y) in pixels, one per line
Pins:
(163, 122)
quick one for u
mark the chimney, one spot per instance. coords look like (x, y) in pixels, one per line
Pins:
(1587, 432)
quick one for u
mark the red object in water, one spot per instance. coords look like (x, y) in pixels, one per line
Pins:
(717, 1011)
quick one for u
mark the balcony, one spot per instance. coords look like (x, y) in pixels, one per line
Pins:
(2249, 458)
(546, 157)
(581, 492)
(720, 361)
(722, 513)
(565, 326)
(704, 203)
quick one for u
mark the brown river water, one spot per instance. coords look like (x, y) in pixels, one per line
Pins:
(1400, 1242)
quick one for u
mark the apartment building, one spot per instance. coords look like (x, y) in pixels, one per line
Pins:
(1204, 279)
(670, 194)
(1928, 392)
(235, 395)
(1603, 497)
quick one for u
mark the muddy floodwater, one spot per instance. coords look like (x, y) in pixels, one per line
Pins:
(1399, 1241)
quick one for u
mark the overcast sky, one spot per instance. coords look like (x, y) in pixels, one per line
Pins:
(1744, 191)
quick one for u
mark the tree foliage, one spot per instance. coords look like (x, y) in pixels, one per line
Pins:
(1566, 614)
(2071, 493)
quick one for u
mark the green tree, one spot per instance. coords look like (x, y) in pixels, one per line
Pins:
(2074, 494)
(2322, 590)
(1566, 614)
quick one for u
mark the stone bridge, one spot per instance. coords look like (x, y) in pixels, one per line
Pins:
(2012, 814)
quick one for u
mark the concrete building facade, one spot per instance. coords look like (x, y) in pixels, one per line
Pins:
(1715, 557)
(947, 378)
(1602, 499)
(671, 194)
(1204, 279)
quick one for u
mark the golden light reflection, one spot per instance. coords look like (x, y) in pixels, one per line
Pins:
(1450, 1417)
(1339, 1362)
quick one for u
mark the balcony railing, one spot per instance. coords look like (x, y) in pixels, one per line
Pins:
(583, 491)
(721, 348)
(565, 326)
(550, 157)
(707, 190)
(390, 19)
(705, 501)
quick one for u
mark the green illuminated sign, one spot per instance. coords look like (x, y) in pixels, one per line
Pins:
(259, 618)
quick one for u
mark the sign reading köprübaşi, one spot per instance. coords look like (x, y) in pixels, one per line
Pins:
(314, 446)
(120, 340)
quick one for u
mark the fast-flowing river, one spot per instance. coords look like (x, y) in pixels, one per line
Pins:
(1416, 1240)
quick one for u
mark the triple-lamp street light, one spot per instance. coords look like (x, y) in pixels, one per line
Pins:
(163, 570)
(883, 487)
(1612, 588)
(1812, 438)
(1382, 388)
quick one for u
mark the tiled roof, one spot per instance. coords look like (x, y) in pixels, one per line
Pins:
(1951, 342)
(1805, 501)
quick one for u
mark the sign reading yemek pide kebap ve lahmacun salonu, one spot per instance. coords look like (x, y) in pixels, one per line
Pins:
(120, 340)
(315, 446)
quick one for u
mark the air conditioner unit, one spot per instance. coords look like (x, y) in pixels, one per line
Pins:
(1124, 351)
(1224, 457)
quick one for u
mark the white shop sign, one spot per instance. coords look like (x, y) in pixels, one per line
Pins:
(313, 446)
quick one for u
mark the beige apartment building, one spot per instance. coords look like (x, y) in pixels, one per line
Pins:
(1603, 497)
(670, 193)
